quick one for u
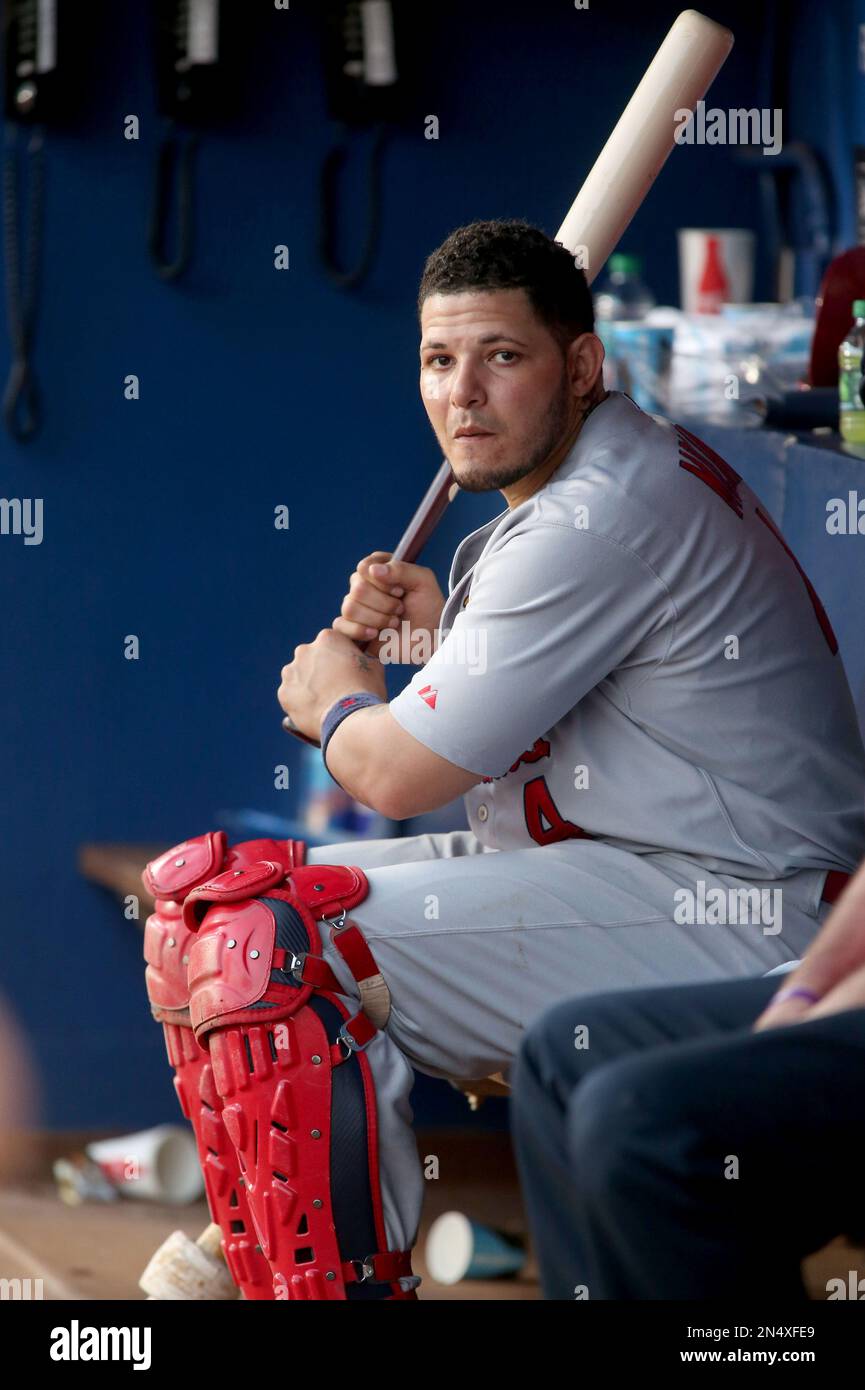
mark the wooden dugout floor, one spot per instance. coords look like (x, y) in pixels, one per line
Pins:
(97, 1250)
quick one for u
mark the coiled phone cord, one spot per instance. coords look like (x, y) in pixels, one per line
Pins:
(333, 161)
(21, 398)
(173, 152)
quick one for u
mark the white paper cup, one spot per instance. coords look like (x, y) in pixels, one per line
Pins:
(733, 253)
(457, 1248)
(155, 1165)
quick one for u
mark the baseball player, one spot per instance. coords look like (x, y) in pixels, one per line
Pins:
(637, 691)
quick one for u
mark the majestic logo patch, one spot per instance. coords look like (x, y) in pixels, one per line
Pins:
(428, 695)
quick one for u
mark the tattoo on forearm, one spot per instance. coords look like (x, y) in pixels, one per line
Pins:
(363, 662)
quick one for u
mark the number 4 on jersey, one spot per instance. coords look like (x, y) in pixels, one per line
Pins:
(544, 821)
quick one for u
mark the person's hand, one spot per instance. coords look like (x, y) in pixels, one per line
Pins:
(393, 597)
(789, 1010)
(848, 993)
(322, 672)
(833, 967)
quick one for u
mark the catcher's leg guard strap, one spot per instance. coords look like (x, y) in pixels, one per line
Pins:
(374, 993)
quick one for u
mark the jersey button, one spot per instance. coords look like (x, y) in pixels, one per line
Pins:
(483, 811)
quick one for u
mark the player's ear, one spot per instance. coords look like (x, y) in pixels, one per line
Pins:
(585, 363)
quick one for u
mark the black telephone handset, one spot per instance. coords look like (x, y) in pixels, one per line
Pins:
(30, 47)
(196, 47)
(360, 59)
(365, 86)
(194, 41)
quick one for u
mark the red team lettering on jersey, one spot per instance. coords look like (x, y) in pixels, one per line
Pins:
(710, 468)
(701, 460)
(822, 615)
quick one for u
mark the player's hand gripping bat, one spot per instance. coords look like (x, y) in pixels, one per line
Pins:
(678, 76)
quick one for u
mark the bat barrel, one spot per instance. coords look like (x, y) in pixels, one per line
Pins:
(679, 75)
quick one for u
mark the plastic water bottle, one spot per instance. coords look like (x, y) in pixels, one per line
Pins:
(621, 302)
(852, 411)
(622, 294)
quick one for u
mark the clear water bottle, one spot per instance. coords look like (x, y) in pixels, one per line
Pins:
(851, 409)
(622, 295)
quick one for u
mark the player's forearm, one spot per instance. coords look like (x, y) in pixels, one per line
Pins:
(357, 758)
(386, 768)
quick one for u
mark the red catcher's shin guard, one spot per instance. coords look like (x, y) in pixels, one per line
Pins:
(226, 1198)
(167, 943)
(289, 1065)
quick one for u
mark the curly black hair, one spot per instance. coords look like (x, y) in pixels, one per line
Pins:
(511, 255)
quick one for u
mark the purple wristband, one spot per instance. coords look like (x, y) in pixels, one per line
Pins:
(795, 992)
(340, 710)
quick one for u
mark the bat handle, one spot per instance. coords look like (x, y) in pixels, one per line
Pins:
(291, 728)
(432, 507)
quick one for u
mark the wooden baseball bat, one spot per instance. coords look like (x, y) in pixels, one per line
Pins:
(678, 76)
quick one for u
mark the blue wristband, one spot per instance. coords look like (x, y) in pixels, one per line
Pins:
(340, 710)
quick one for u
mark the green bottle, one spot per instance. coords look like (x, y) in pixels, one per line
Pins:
(852, 411)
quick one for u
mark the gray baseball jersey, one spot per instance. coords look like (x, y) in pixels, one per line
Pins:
(635, 655)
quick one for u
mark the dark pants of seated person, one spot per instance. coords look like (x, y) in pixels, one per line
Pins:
(680, 1155)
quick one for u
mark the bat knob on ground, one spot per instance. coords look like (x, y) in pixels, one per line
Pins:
(191, 1270)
